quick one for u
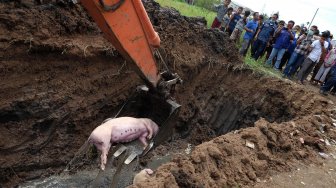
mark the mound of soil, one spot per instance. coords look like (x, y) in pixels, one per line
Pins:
(60, 79)
(227, 161)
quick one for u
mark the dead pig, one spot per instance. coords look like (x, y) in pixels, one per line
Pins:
(121, 130)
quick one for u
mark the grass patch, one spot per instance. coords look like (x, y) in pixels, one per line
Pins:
(259, 66)
(189, 10)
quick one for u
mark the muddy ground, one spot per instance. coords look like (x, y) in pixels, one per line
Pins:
(60, 79)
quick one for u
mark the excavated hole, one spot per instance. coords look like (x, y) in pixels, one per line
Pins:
(229, 113)
(233, 115)
(223, 112)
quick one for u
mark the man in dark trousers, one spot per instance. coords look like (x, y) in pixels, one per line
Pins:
(317, 48)
(283, 37)
(331, 81)
(263, 36)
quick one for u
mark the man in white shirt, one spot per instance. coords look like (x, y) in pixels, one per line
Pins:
(316, 49)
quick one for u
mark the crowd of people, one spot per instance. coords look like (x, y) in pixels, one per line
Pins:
(295, 51)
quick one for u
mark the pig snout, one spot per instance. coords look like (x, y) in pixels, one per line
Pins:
(149, 171)
(142, 176)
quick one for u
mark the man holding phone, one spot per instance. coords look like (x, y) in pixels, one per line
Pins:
(283, 36)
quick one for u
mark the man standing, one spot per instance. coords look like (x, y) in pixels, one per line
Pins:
(263, 36)
(283, 37)
(328, 62)
(292, 46)
(330, 83)
(288, 53)
(250, 29)
(221, 11)
(238, 30)
(317, 48)
(323, 55)
(299, 53)
(269, 46)
(233, 20)
(226, 19)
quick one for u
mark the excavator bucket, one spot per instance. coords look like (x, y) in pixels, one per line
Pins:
(142, 104)
(145, 104)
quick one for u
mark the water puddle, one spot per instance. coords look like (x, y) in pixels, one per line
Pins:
(81, 179)
(96, 178)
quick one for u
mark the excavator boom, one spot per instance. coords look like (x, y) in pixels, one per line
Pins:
(126, 25)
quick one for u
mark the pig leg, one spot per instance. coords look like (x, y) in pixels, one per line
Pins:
(103, 159)
(101, 147)
(143, 140)
(149, 129)
(103, 156)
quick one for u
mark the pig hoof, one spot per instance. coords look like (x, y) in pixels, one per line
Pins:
(145, 147)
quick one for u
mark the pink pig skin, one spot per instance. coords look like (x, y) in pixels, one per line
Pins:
(121, 130)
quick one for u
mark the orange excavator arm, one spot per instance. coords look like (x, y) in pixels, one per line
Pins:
(126, 25)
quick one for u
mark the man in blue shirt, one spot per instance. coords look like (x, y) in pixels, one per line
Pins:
(288, 53)
(283, 37)
(250, 29)
(264, 34)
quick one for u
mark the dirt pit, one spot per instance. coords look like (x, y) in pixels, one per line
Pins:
(60, 79)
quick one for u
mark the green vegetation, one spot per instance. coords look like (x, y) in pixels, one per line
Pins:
(208, 4)
(195, 11)
(189, 10)
(259, 66)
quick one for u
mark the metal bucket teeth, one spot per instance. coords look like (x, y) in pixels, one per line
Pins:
(147, 149)
(130, 158)
(121, 149)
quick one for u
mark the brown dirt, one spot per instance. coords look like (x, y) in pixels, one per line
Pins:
(309, 176)
(60, 79)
